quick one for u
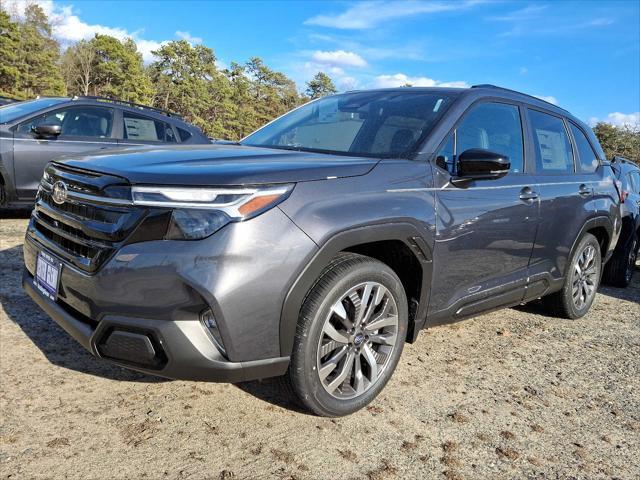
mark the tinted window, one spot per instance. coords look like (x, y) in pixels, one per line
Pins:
(184, 135)
(376, 124)
(13, 111)
(138, 127)
(553, 149)
(588, 158)
(95, 122)
(495, 127)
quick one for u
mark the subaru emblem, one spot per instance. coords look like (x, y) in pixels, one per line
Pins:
(59, 192)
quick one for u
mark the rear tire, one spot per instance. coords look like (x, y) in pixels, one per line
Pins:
(581, 282)
(619, 270)
(349, 337)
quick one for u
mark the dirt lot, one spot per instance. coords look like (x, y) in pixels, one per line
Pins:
(514, 394)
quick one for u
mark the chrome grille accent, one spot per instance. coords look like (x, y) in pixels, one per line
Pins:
(91, 224)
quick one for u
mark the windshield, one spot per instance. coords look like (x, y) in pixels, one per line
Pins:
(12, 111)
(372, 124)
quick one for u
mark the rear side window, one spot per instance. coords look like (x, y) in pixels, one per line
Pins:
(489, 126)
(184, 135)
(137, 127)
(552, 146)
(588, 158)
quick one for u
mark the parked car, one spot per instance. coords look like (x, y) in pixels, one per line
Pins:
(34, 132)
(620, 269)
(320, 244)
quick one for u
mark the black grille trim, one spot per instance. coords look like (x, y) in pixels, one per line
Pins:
(85, 233)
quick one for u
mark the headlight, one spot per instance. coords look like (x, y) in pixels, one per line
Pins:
(199, 212)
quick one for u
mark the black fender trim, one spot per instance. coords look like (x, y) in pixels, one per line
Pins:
(403, 231)
(595, 222)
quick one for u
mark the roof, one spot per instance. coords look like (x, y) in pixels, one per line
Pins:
(124, 103)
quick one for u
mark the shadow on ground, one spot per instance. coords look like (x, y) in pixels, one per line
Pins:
(24, 213)
(275, 392)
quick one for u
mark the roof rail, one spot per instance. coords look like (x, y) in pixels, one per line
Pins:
(488, 85)
(127, 103)
(620, 159)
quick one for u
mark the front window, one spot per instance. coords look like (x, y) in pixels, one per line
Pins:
(83, 121)
(373, 124)
(487, 126)
(13, 111)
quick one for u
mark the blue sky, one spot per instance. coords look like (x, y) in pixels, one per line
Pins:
(585, 56)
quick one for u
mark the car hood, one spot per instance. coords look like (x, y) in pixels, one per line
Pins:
(219, 165)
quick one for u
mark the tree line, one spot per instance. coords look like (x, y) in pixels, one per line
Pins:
(183, 78)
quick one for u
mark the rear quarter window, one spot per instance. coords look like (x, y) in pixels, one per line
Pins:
(183, 134)
(587, 157)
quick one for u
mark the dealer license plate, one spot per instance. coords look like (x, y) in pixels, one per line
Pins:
(47, 276)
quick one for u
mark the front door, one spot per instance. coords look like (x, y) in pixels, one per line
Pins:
(485, 231)
(83, 128)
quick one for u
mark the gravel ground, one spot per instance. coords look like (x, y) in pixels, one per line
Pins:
(513, 394)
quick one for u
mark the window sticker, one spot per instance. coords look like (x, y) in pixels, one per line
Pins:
(140, 129)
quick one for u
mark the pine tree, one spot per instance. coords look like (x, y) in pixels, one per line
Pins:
(9, 71)
(320, 85)
(38, 54)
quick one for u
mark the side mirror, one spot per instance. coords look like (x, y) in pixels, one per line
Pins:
(480, 164)
(47, 130)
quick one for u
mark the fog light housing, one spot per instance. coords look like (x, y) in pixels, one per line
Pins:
(210, 324)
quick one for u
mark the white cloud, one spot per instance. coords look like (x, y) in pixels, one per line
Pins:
(619, 119)
(338, 58)
(68, 28)
(400, 79)
(548, 98)
(524, 70)
(370, 14)
(526, 13)
(188, 37)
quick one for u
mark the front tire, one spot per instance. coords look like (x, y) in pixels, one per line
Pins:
(581, 282)
(349, 337)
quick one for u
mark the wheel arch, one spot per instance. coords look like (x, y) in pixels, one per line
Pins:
(374, 241)
(600, 227)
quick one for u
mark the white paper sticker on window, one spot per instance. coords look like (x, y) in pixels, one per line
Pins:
(140, 129)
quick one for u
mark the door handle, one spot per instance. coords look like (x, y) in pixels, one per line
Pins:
(584, 191)
(528, 195)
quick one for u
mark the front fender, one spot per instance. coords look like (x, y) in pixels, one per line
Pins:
(402, 230)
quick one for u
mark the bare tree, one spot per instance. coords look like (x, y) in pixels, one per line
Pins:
(78, 64)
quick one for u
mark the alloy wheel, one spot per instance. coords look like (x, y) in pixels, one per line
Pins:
(585, 277)
(357, 341)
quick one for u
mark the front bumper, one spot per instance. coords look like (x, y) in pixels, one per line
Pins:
(189, 354)
(141, 308)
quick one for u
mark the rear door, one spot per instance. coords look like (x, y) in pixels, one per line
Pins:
(140, 129)
(83, 128)
(568, 172)
(485, 230)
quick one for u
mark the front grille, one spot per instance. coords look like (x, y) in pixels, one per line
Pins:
(84, 211)
(87, 230)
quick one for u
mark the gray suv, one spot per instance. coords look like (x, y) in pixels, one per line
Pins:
(317, 246)
(36, 131)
